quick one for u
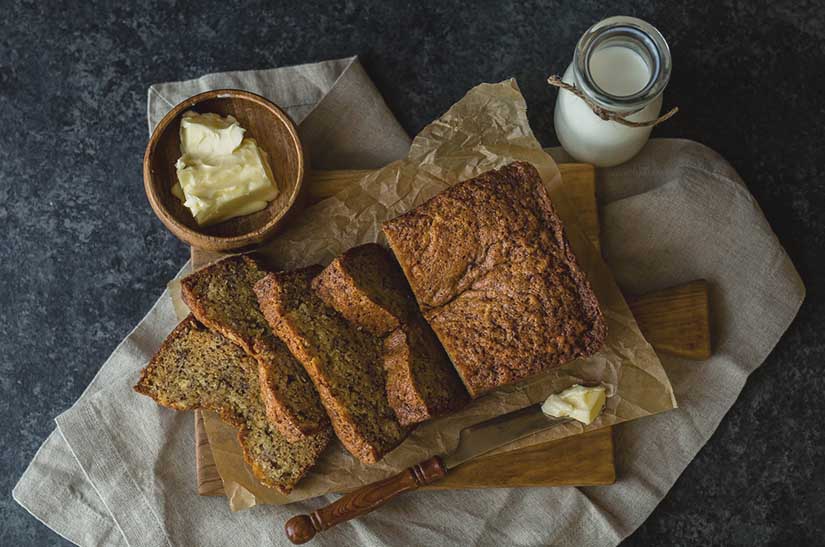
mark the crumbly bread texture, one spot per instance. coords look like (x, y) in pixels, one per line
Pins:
(343, 361)
(197, 368)
(367, 287)
(421, 382)
(495, 277)
(221, 297)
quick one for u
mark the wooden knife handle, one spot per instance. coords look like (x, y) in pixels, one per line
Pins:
(302, 528)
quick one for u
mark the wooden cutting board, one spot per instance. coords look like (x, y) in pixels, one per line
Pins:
(673, 320)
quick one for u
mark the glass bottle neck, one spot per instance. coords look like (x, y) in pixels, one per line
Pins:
(622, 64)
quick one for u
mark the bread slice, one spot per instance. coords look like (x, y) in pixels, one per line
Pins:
(496, 278)
(221, 297)
(367, 287)
(197, 368)
(421, 382)
(343, 361)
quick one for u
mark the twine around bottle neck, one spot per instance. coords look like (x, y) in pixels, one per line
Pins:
(607, 114)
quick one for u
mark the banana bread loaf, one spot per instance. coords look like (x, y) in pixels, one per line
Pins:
(343, 361)
(494, 275)
(197, 368)
(367, 287)
(221, 297)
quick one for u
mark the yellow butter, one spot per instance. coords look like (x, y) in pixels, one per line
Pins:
(221, 174)
(203, 136)
(578, 402)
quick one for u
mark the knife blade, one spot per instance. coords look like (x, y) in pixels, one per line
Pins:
(478, 439)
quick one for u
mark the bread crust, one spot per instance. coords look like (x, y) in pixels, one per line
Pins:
(221, 297)
(187, 335)
(421, 381)
(496, 278)
(343, 362)
(228, 271)
(366, 286)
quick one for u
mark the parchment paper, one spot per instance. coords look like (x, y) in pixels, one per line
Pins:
(485, 130)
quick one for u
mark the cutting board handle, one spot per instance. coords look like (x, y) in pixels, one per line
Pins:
(302, 528)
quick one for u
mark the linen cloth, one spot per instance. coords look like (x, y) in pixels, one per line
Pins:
(119, 470)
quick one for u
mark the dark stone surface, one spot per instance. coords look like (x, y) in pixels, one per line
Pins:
(76, 276)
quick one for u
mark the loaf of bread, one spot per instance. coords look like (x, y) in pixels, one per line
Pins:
(221, 297)
(343, 361)
(367, 287)
(197, 368)
(494, 275)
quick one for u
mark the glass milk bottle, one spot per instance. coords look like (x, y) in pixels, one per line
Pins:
(621, 65)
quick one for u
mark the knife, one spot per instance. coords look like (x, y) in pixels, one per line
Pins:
(473, 441)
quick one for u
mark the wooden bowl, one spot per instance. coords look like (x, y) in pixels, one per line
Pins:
(274, 132)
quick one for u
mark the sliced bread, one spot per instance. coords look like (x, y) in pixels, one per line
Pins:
(197, 368)
(367, 287)
(221, 297)
(343, 361)
(421, 382)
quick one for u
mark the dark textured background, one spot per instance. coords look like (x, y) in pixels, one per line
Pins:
(82, 257)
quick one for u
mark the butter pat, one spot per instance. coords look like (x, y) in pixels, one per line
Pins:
(221, 174)
(203, 136)
(578, 402)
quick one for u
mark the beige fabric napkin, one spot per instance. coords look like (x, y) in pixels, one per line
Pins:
(119, 470)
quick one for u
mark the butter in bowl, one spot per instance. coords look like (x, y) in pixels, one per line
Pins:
(223, 170)
(221, 174)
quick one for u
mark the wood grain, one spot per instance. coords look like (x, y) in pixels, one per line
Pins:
(323, 184)
(580, 189)
(209, 480)
(676, 320)
(580, 460)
